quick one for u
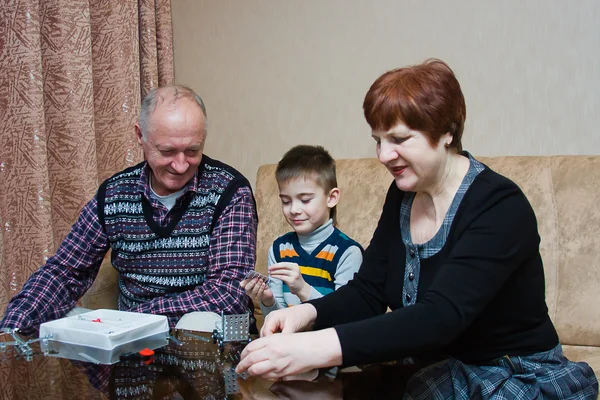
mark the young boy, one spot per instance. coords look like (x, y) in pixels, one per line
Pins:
(316, 258)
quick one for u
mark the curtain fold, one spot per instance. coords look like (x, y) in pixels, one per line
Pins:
(72, 76)
(164, 42)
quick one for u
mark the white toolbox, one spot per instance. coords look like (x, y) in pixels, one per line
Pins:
(102, 336)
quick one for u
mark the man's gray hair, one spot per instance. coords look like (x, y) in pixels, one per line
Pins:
(157, 96)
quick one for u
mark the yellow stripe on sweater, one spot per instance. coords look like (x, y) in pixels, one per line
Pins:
(320, 273)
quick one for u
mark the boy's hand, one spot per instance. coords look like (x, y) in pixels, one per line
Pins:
(258, 291)
(290, 274)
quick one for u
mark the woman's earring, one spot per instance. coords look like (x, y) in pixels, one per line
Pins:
(447, 145)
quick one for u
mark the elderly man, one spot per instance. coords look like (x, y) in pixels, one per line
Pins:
(181, 226)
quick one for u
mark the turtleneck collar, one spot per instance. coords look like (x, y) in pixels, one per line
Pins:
(310, 241)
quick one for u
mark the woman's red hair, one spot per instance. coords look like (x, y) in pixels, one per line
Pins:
(426, 97)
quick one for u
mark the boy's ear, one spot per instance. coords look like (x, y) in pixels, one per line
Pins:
(333, 197)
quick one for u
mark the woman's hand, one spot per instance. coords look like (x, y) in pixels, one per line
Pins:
(290, 274)
(289, 320)
(258, 291)
(277, 356)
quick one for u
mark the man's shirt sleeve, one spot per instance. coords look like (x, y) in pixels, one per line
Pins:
(53, 290)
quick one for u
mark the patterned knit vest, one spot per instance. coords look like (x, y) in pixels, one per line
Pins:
(154, 260)
(318, 268)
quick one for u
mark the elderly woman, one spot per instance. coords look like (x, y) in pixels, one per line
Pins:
(456, 258)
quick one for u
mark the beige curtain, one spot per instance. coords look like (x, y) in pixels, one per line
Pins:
(72, 75)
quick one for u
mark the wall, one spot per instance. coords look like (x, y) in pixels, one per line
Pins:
(279, 73)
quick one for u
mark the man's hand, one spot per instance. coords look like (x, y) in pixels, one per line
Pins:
(290, 274)
(258, 291)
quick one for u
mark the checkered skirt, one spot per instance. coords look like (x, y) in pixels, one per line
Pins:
(545, 375)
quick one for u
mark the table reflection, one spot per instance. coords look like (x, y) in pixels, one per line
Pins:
(196, 369)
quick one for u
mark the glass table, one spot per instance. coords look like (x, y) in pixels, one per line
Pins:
(195, 368)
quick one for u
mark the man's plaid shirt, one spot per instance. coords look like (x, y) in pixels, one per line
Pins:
(55, 288)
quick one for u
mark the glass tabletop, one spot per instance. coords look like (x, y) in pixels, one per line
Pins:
(193, 367)
(190, 367)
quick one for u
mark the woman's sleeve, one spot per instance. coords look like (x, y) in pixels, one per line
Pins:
(499, 239)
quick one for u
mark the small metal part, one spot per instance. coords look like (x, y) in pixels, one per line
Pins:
(175, 340)
(21, 346)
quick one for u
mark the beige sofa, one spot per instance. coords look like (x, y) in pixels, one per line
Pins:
(564, 192)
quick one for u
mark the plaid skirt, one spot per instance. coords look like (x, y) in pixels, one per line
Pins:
(545, 375)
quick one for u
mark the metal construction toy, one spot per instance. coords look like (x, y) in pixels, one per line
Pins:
(234, 328)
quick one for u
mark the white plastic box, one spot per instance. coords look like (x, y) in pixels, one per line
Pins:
(101, 336)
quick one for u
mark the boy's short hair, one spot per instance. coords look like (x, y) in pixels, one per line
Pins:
(309, 162)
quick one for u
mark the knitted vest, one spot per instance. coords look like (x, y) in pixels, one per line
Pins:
(154, 260)
(318, 268)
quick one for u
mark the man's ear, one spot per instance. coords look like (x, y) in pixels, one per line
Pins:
(138, 134)
(333, 197)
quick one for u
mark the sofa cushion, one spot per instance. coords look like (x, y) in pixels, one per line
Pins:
(589, 354)
(104, 292)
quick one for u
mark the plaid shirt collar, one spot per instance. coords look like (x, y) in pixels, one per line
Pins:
(144, 181)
